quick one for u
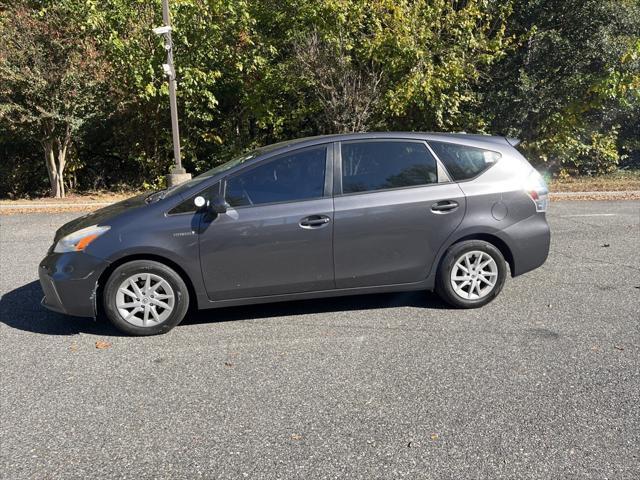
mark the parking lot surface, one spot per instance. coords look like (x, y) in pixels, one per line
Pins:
(542, 383)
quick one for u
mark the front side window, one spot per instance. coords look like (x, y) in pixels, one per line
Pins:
(464, 162)
(378, 165)
(292, 177)
(188, 205)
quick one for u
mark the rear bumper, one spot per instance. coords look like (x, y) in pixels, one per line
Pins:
(69, 282)
(529, 242)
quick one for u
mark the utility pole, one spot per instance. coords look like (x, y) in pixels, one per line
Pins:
(177, 174)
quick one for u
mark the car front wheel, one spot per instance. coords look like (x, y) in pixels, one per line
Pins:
(472, 274)
(144, 297)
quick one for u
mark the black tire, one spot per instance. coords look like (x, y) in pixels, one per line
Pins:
(124, 271)
(443, 280)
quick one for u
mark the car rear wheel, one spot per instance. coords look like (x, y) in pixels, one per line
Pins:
(144, 297)
(472, 274)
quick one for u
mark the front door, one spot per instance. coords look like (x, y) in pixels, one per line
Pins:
(395, 212)
(276, 237)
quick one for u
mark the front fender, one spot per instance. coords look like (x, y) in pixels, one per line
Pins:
(173, 238)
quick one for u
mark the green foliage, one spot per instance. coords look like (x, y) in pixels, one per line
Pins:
(563, 76)
(51, 74)
(571, 83)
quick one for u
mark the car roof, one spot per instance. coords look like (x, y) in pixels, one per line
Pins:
(479, 140)
(268, 151)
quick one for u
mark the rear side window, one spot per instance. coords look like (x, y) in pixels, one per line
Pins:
(464, 162)
(292, 177)
(370, 166)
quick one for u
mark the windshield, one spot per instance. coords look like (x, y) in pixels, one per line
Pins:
(208, 174)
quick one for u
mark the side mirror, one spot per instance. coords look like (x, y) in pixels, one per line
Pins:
(217, 205)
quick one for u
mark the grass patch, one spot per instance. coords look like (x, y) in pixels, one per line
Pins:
(619, 181)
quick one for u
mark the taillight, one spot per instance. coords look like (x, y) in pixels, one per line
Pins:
(537, 189)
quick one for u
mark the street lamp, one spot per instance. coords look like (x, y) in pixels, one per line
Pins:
(177, 174)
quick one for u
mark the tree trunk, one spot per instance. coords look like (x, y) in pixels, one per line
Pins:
(62, 158)
(55, 157)
(61, 188)
(52, 168)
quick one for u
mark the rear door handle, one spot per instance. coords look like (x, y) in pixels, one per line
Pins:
(444, 206)
(314, 221)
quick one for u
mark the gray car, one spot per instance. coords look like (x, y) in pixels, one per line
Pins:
(314, 217)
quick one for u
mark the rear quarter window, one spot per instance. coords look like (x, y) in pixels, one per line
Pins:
(463, 162)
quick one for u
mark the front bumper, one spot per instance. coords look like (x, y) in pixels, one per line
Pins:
(69, 282)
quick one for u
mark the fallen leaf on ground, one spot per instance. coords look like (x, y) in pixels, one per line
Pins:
(102, 345)
(435, 436)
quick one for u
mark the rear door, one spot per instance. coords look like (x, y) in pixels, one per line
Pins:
(394, 208)
(276, 237)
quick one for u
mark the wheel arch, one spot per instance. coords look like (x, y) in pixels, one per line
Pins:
(494, 240)
(102, 280)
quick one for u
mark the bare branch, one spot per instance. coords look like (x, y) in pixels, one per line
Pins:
(348, 92)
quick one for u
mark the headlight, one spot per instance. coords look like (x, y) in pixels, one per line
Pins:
(78, 241)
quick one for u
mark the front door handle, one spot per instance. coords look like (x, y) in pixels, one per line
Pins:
(444, 206)
(314, 221)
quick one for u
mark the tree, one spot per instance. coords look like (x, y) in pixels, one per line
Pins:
(348, 93)
(51, 75)
(399, 64)
(571, 83)
(564, 76)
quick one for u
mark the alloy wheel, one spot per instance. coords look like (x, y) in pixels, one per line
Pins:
(474, 275)
(145, 299)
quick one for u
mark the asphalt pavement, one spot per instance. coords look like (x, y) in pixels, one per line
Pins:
(542, 383)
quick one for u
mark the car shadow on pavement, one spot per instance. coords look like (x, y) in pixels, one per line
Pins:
(418, 299)
(21, 309)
